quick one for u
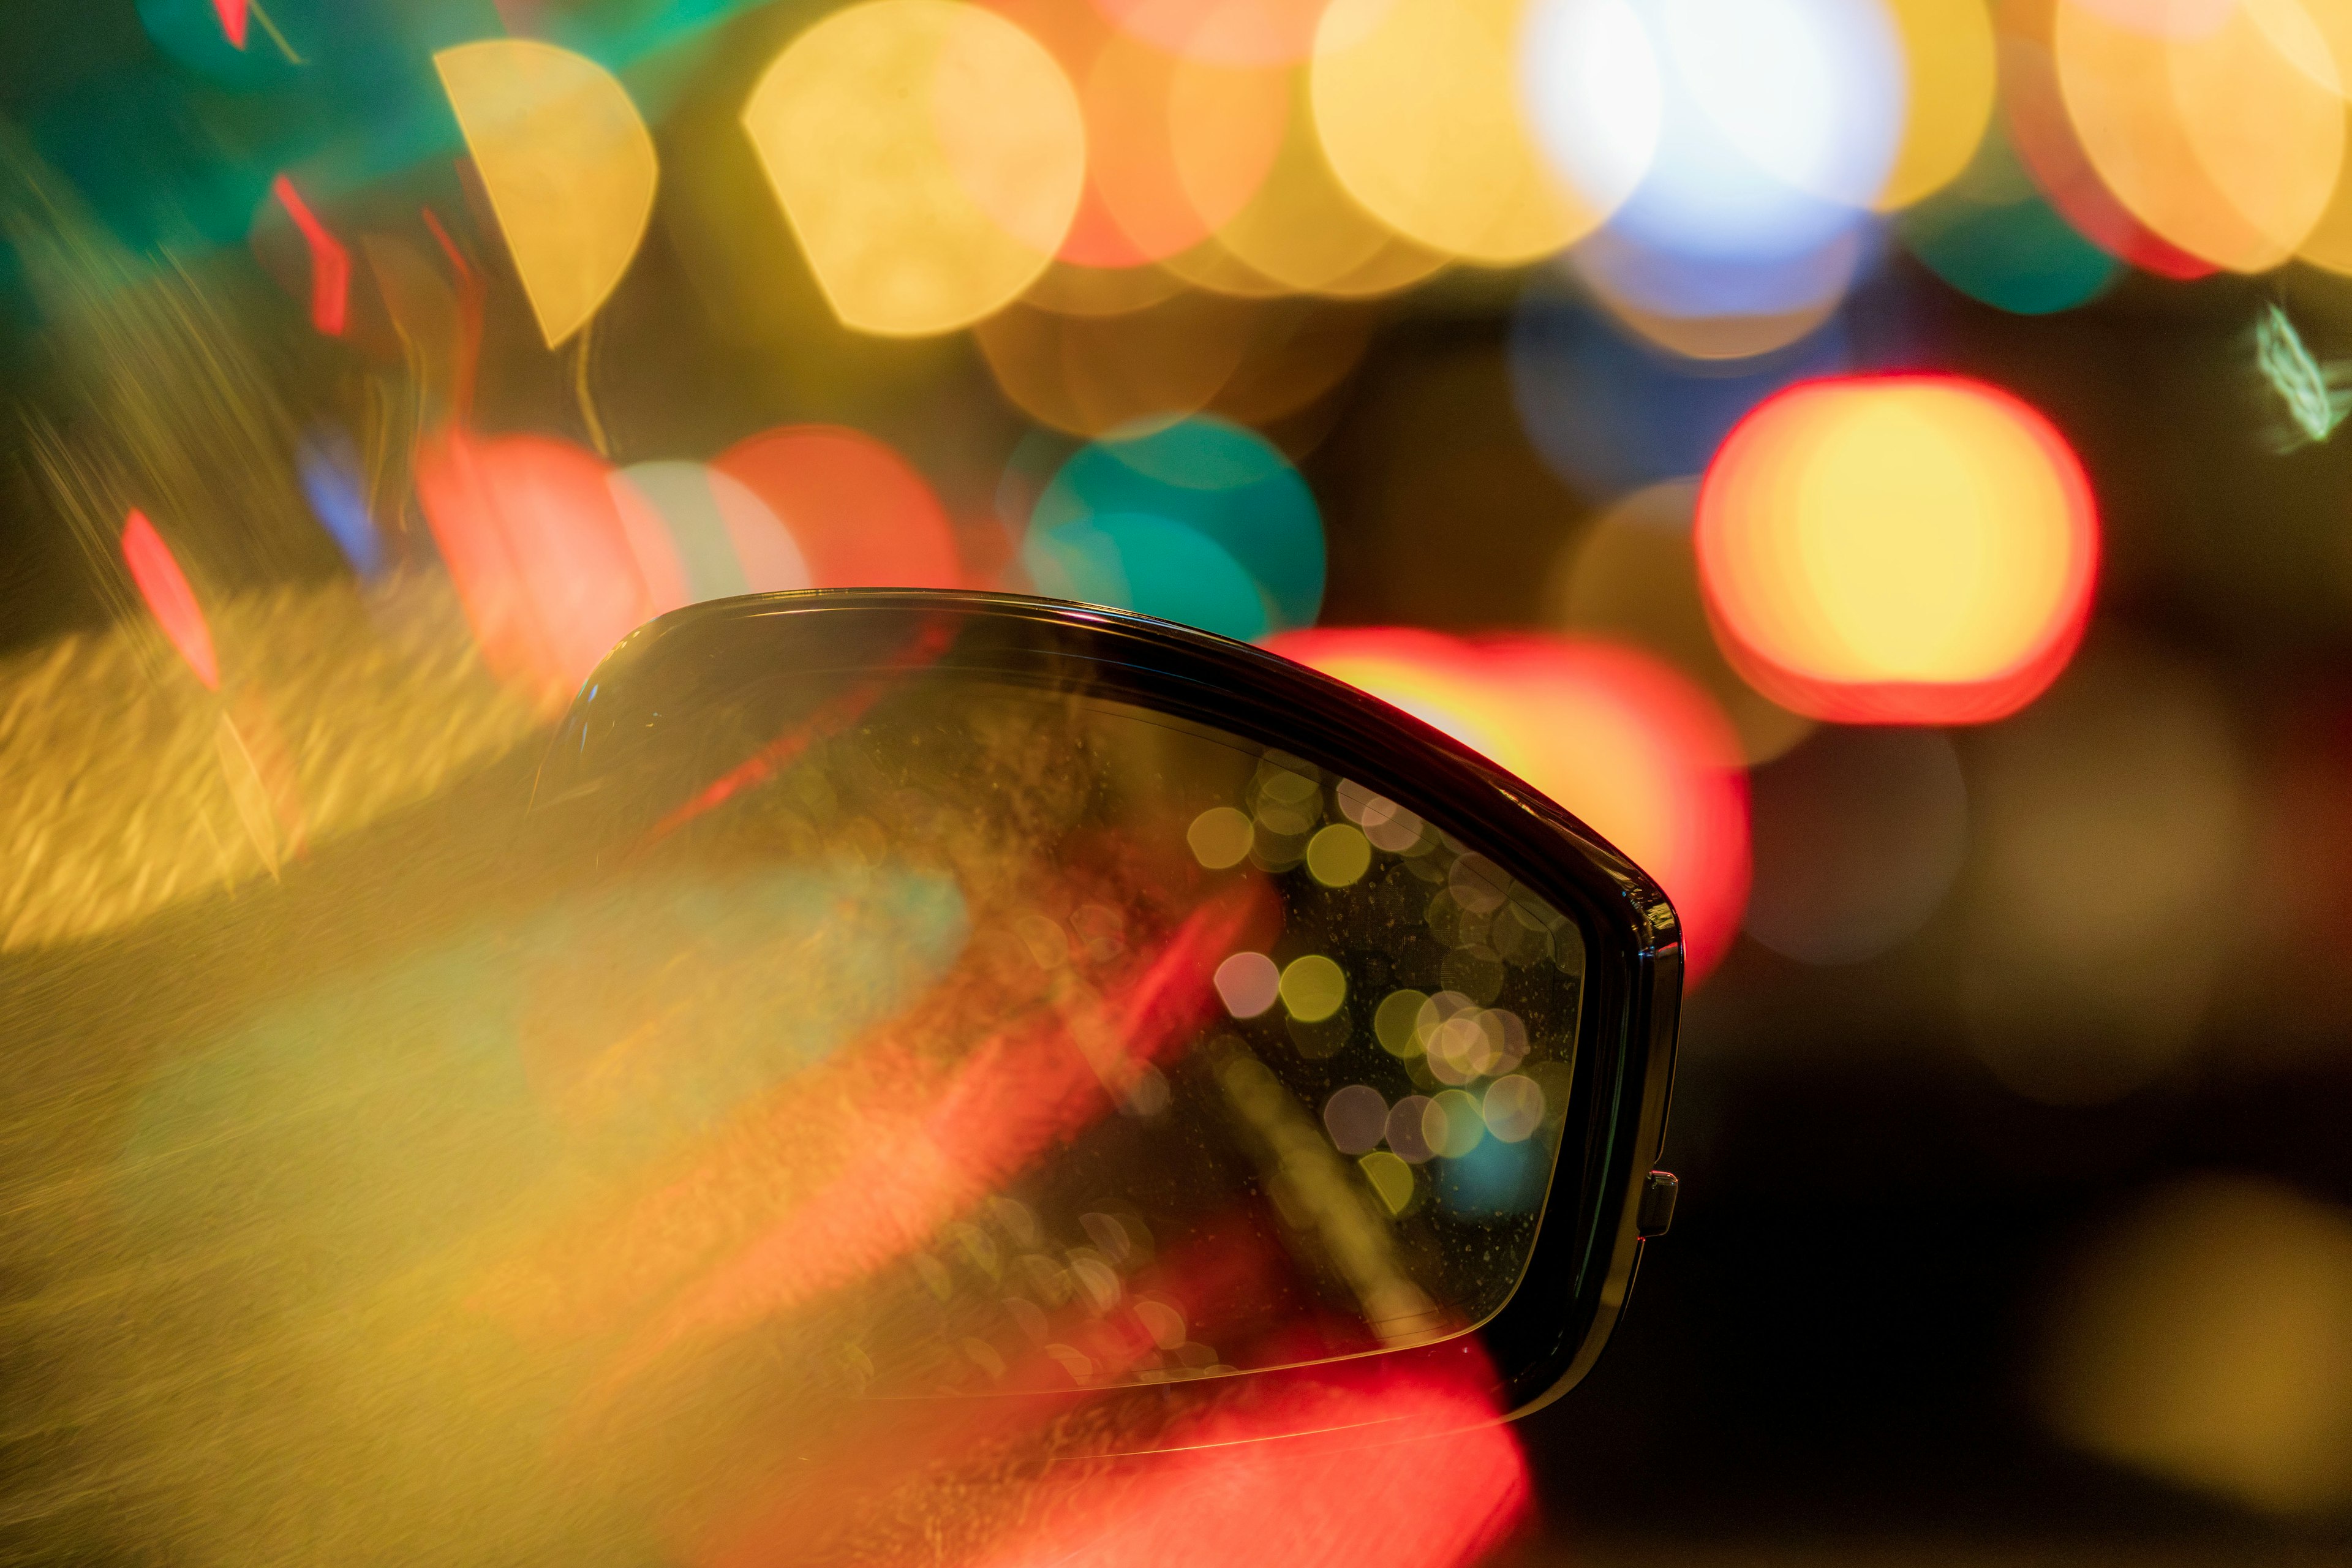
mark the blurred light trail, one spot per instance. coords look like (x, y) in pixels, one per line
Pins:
(861, 515)
(1859, 835)
(1623, 740)
(2314, 397)
(545, 556)
(1908, 549)
(935, 1140)
(98, 837)
(929, 157)
(725, 539)
(1223, 483)
(331, 264)
(1175, 145)
(1416, 105)
(232, 15)
(1777, 126)
(169, 599)
(1401, 1472)
(2212, 138)
(326, 465)
(1607, 414)
(568, 166)
(1951, 82)
(1993, 235)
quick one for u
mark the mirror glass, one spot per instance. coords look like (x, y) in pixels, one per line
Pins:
(951, 1035)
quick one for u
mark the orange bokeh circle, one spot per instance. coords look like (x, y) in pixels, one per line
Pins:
(1897, 549)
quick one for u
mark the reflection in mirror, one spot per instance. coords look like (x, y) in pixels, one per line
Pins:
(946, 1034)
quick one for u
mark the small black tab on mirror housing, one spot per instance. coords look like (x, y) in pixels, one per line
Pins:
(1657, 1212)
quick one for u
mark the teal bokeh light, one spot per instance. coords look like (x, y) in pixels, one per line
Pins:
(1991, 235)
(1137, 562)
(1226, 486)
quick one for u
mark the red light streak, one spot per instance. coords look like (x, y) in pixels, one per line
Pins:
(169, 598)
(233, 17)
(331, 264)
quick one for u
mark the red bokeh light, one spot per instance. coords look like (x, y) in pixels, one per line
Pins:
(1626, 742)
(550, 572)
(1899, 549)
(862, 515)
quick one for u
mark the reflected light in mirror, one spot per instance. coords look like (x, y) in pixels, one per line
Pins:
(861, 515)
(1624, 741)
(1903, 549)
(568, 164)
(929, 155)
(1417, 107)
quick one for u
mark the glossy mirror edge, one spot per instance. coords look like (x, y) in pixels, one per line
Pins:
(1553, 1326)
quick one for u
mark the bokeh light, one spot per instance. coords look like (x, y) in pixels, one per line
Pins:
(2205, 1336)
(723, 538)
(1624, 741)
(1416, 104)
(2110, 820)
(861, 516)
(1950, 84)
(1897, 549)
(1858, 837)
(1630, 576)
(544, 557)
(2035, 115)
(1778, 125)
(1226, 486)
(930, 156)
(1175, 145)
(1608, 414)
(1992, 235)
(2211, 136)
(568, 164)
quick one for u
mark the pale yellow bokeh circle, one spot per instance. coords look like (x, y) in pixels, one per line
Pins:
(1950, 81)
(929, 155)
(1418, 106)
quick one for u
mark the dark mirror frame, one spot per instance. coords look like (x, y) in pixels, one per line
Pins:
(1587, 1245)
